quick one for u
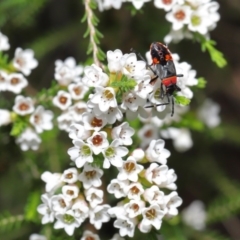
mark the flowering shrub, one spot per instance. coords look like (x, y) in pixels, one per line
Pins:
(118, 148)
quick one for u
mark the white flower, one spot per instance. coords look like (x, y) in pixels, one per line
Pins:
(62, 100)
(152, 216)
(131, 67)
(94, 196)
(99, 215)
(132, 101)
(113, 154)
(60, 204)
(114, 60)
(138, 154)
(87, 235)
(118, 188)
(161, 176)
(153, 195)
(45, 209)
(53, 181)
(98, 142)
(156, 152)
(67, 71)
(80, 153)
(200, 21)
(182, 140)
(126, 225)
(107, 4)
(134, 191)
(41, 119)
(90, 176)
(65, 120)
(163, 4)
(5, 117)
(129, 170)
(134, 208)
(195, 215)
(92, 122)
(209, 113)
(77, 131)
(24, 61)
(77, 90)
(138, 3)
(66, 221)
(143, 88)
(4, 44)
(172, 201)
(117, 210)
(35, 236)
(147, 133)
(23, 105)
(179, 16)
(211, 7)
(94, 76)
(16, 82)
(104, 98)
(76, 111)
(188, 79)
(123, 133)
(189, 75)
(28, 140)
(3, 81)
(112, 115)
(70, 191)
(70, 176)
(80, 210)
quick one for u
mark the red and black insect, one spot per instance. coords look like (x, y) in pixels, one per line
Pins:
(164, 69)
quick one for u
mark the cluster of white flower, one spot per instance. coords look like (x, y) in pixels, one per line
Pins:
(186, 16)
(189, 16)
(38, 118)
(102, 105)
(77, 193)
(23, 62)
(70, 98)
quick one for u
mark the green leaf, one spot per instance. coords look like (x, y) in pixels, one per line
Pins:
(100, 35)
(86, 32)
(33, 201)
(201, 82)
(20, 124)
(101, 55)
(84, 18)
(216, 55)
(182, 100)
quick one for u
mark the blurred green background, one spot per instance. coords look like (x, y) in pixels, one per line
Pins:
(209, 171)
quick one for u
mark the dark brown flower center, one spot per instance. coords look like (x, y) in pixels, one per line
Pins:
(14, 81)
(129, 167)
(180, 15)
(96, 122)
(151, 214)
(97, 140)
(63, 100)
(90, 174)
(23, 106)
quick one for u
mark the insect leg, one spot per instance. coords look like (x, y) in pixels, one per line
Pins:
(172, 106)
(160, 104)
